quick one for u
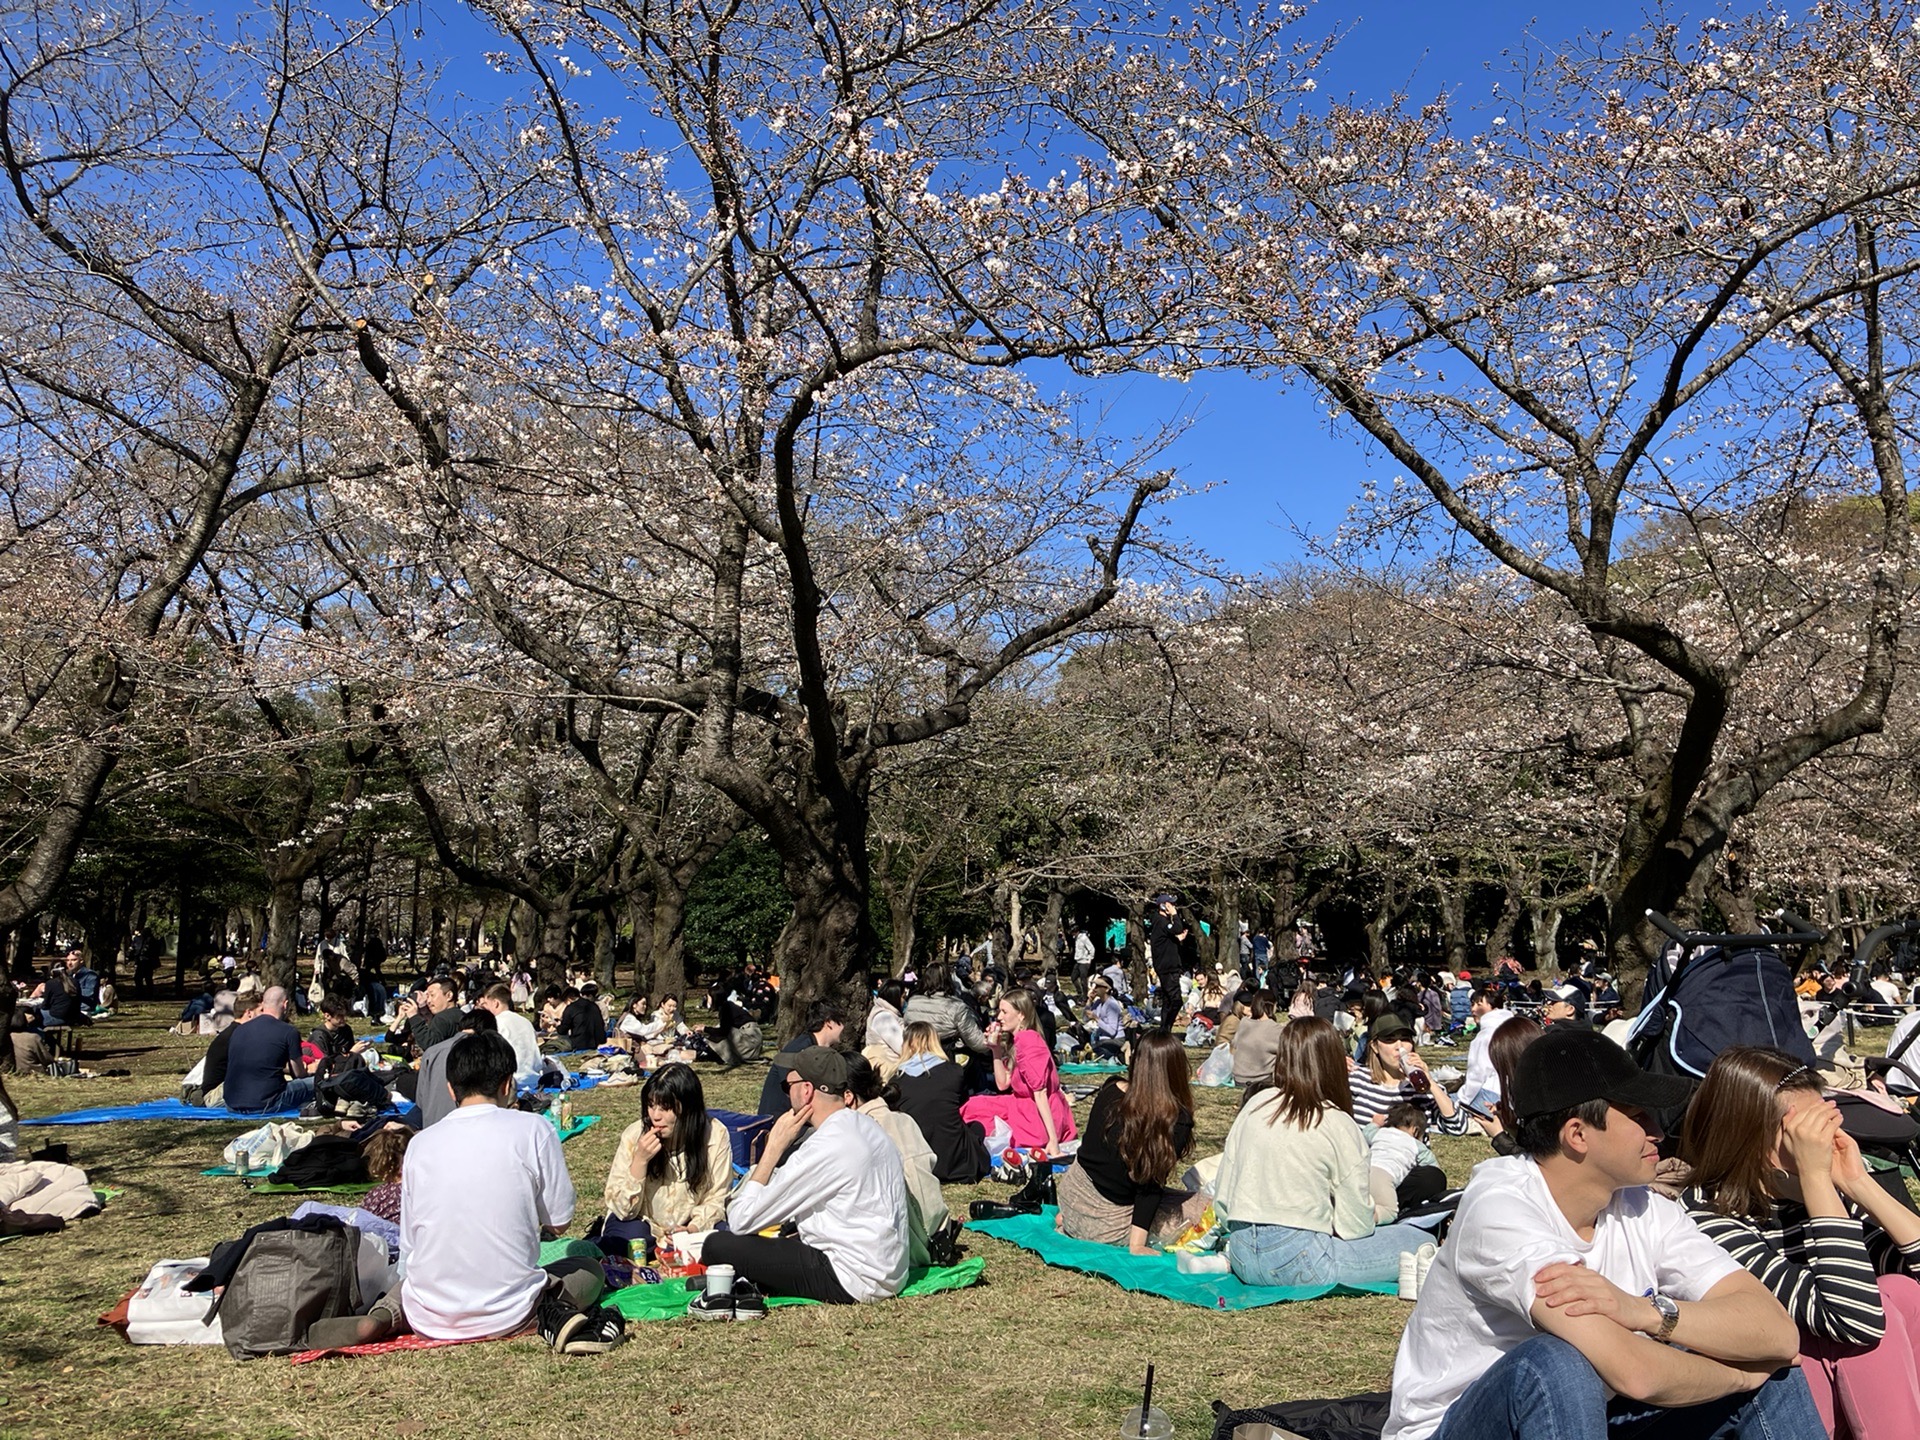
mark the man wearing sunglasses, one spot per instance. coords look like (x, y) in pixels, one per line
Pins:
(840, 1203)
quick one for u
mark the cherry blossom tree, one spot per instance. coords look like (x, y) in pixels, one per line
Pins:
(183, 206)
(1662, 298)
(787, 321)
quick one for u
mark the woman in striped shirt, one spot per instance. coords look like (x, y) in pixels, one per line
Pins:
(1782, 1188)
(1393, 1075)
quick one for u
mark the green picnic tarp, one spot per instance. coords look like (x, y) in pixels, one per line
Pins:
(669, 1299)
(1152, 1274)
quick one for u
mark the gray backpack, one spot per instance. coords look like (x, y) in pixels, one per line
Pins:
(287, 1280)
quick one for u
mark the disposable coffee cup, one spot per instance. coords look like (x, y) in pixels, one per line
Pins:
(719, 1280)
(1156, 1424)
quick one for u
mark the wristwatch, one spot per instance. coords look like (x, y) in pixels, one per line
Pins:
(1669, 1316)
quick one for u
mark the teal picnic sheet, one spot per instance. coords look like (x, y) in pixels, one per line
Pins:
(669, 1299)
(1152, 1274)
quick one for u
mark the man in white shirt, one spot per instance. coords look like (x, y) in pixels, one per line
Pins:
(844, 1193)
(1566, 1289)
(479, 1191)
(519, 1033)
(1481, 1089)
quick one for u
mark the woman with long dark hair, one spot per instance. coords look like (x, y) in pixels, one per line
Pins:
(1509, 1042)
(1140, 1128)
(674, 1165)
(1782, 1188)
(1293, 1180)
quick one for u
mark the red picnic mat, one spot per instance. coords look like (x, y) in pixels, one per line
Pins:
(399, 1342)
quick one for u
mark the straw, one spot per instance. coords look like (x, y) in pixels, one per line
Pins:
(1146, 1399)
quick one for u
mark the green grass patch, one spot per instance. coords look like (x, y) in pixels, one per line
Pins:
(1033, 1351)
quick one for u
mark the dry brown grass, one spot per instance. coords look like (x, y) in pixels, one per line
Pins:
(1032, 1352)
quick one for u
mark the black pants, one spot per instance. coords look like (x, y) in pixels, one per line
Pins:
(1169, 1002)
(779, 1267)
(1423, 1183)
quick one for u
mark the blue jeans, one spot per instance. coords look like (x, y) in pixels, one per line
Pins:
(1281, 1255)
(1546, 1390)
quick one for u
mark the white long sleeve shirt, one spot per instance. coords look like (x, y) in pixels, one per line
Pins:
(845, 1189)
(1480, 1072)
(519, 1033)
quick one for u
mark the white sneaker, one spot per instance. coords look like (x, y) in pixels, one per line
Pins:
(1423, 1262)
(1409, 1276)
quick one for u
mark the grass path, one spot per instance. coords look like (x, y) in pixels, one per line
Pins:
(1033, 1352)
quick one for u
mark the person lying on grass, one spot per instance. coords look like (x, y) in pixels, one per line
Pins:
(844, 1193)
(1566, 1291)
(480, 1190)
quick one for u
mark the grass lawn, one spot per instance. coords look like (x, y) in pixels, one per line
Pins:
(1032, 1352)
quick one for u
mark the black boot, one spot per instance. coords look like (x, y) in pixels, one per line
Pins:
(1038, 1190)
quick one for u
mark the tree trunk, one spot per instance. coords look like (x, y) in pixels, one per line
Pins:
(282, 965)
(1386, 914)
(900, 904)
(1500, 938)
(1226, 935)
(550, 963)
(824, 951)
(666, 939)
(1050, 930)
(1286, 910)
(1452, 897)
(603, 950)
(1546, 935)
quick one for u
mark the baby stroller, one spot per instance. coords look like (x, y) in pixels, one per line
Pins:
(1707, 992)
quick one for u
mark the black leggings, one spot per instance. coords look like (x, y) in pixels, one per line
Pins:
(1423, 1183)
(779, 1267)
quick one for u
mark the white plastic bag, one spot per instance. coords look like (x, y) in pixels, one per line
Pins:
(1217, 1069)
(998, 1138)
(268, 1146)
(163, 1312)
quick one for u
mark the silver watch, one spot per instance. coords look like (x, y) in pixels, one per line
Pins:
(1669, 1310)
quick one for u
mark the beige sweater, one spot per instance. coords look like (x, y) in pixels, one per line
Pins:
(669, 1201)
(926, 1201)
(1280, 1174)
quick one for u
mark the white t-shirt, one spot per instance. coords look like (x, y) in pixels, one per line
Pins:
(519, 1033)
(1907, 1072)
(1475, 1304)
(1480, 1071)
(1394, 1153)
(845, 1189)
(476, 1190)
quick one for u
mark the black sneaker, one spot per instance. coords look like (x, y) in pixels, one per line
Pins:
(605, 1328)
(559, 1322)
(748, 1302)
(711, 1307)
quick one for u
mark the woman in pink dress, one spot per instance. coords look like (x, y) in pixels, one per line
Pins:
(1030, 1099)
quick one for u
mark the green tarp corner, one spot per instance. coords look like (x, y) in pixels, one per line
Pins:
(1152, 1274)
(669, 1299)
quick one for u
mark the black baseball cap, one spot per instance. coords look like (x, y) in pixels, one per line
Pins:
(1388, 1027)
(1568, 1067)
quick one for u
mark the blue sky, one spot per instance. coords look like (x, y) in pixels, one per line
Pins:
(1261, 451)
(1265, 449)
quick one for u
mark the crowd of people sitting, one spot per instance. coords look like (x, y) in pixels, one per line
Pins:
(1756, 1276)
